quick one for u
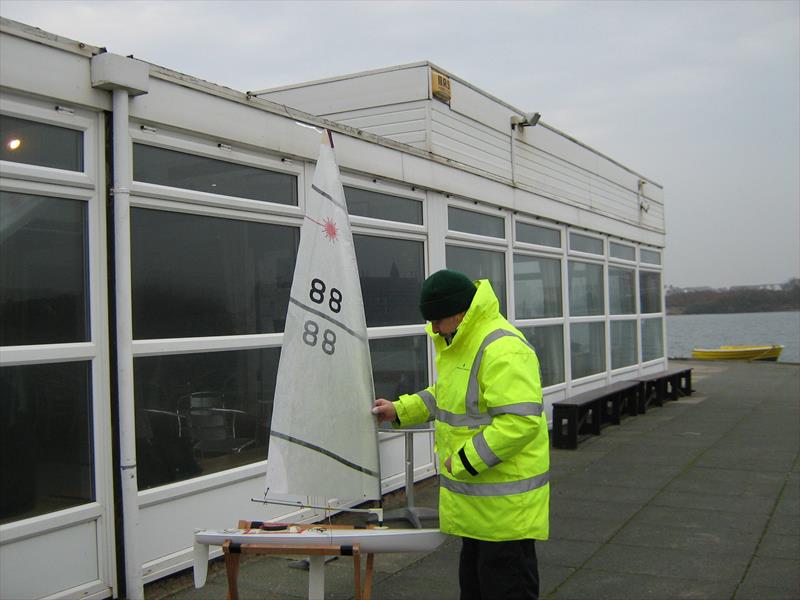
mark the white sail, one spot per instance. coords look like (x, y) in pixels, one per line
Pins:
(324, 439)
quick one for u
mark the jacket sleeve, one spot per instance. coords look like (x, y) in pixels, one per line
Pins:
(413, 409)
(511, 385)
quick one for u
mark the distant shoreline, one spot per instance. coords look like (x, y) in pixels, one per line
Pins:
(675, 311)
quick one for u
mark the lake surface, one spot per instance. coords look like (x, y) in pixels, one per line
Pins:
(685, 332)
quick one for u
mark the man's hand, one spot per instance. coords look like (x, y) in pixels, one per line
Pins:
(448, 464)
(384, 410)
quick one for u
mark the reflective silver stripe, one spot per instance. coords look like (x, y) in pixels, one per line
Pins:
(430, 402)
(482, 448)
(455, 420)
(472, 387)
(494, 489)
(523, 409)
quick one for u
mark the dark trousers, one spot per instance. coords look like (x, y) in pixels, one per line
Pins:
(498, 570)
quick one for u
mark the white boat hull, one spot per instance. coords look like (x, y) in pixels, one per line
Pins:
(370, 541)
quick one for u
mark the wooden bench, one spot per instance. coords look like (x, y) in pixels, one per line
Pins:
(582, 415)
(656, 388)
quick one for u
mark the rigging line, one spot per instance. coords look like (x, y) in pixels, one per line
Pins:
(328, 318)
(328, 453)
(329, 197)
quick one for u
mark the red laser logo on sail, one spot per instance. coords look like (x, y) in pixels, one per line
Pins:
(329, 227)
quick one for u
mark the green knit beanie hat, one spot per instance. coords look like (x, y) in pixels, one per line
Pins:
(444, 294)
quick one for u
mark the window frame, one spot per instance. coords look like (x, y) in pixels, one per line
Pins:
(475, 207)
(517, 243)
(381, 186)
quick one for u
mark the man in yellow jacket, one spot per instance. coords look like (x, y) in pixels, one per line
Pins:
(491, 436)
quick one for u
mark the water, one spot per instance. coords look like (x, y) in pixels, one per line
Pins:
(685, 332)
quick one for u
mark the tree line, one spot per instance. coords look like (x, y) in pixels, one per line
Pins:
(733, 300)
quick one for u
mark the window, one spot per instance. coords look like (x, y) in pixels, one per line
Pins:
(367, 203)
(391, 273)
(652, 339)
(206, 276)
(481, 264)
(468, 221)
(40, 144)
(624, 348)
(650, 256)
(43, 269)
(46, 450)
(585, 289)
(622, 251)
(621, 294)
(587, 349)
(537, 287)
(201, 413)
(202, 174)
(399, 365)
(650, 291)
(542, 236)
(548, 341)
(584, 243)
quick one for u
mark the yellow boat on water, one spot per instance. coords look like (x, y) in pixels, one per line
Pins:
(738, 353)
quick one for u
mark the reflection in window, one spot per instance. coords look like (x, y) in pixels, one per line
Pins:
(43, 263)
(477, 223)
(399, 365)
(650, 291)
(201, 413)
(537, 287)
(481, 264)
(367, 203)
(584, 243)
(548, 341)
(40, 144)
(588, 349)
(202, 174)
(542, 236)
(391, 273)
(652, 339)
(46, 450)
(624, 347)
(622, 251)
(621, 295)
(585, 289)
(201, 276)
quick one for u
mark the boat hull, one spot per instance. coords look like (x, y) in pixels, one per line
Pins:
(370, 541)
(769, 353)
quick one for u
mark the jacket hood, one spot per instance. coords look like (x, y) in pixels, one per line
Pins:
(484, 307)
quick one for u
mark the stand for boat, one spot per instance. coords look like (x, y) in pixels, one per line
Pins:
(410, 512)
(316, 564)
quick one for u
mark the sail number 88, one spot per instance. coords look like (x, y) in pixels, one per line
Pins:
(317, 295)
(311, 336)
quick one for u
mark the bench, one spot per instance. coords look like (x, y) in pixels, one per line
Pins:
(582, 415)
(656, 388)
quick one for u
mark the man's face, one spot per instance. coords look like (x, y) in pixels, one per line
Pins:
(447, 326)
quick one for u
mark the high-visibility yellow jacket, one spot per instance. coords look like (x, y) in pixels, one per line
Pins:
(489, 418)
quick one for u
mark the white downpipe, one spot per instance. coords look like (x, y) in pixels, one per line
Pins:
(127, 427)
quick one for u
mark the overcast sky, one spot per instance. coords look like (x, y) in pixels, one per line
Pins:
(702, 97)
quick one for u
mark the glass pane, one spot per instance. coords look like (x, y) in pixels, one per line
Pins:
(543, 236)
(46, 450)
(391, 273)
(478, 223)
(399, 365)
(537, 287)
(40, 144)
(650, 291)
(481, 264)
(584, 243)
(622, 251)
(652, 339)
(548, 341)
(201, 413)
(587, 348)
(624, 349)
(367, 203)
(43, 264)
(585, 289)
(202, 174)
(200, 276)
(621, 294)
(650, 256)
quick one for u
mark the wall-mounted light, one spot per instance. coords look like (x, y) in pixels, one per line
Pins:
(528, 120)
(14, 144)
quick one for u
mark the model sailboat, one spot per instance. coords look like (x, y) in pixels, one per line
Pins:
(323, 438)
